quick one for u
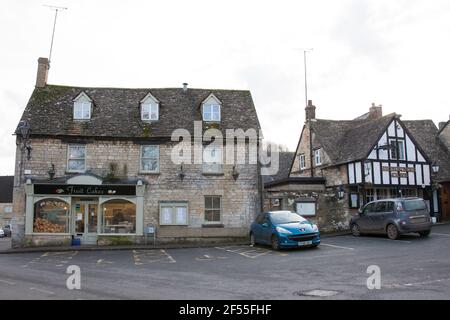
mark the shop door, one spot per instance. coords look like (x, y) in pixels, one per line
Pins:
(86, 222)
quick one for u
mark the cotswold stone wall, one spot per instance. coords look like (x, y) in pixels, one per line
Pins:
(304, 148)
(332, 214)
(240, 197)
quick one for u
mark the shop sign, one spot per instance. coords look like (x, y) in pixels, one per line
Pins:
(101, 190)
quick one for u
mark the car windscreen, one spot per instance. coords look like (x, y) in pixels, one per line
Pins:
(413, 205)
(285, 217)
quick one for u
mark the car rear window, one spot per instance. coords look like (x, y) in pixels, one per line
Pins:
(413, 205)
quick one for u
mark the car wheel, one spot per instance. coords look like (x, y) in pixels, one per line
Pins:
(425, 233)
(252, 240)
(356, 232)
(275, 243)
(392, 232)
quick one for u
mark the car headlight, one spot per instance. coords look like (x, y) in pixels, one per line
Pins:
(315, 228)
(283, 230)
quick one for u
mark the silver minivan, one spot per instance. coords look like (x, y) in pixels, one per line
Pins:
(393, 217)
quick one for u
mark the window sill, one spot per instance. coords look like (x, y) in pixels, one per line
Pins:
(213, 225)
(213, 173)
(72, 172)
(149, 173)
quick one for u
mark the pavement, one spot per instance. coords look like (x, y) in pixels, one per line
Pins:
(410, 268)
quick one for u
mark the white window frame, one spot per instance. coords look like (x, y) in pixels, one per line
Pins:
(318, 157)
(211, 106)
(83, 105)
(68, 157)
(174, 206)
(302, 161)
(220, 209)
(213, 167)
(142, 158)
(153, 108)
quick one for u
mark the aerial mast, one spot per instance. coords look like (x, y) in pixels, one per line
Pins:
(54, 26)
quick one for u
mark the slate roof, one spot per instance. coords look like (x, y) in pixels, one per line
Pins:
(116, 112)
(348, 140)
(426, 134)
(6, 189)
(285, 162)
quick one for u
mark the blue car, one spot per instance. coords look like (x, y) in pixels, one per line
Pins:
(284, 229)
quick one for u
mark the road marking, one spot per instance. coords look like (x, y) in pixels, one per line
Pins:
(425, 282)
(337, 247)
(7, 282)
(43, 291)
(171, 259)
(440, 234)
(374, 239)
(252, 253)
(101, 261)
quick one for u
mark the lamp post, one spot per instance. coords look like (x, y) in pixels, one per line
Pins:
(434, 188)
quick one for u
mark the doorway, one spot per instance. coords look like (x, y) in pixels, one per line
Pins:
(85, 214)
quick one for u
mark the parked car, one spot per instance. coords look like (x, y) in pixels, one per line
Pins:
(7, 230)
(2, 233)
(284, 229)
(393, 217)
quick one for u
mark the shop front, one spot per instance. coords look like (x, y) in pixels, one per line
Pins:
(82, 210)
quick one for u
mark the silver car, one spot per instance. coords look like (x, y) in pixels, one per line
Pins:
(393, 217)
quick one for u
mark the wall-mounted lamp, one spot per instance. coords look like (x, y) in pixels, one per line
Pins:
(51, 172)
(235, 173)
(24, 130)
(435, 167)
(181, 173)
(340, 193)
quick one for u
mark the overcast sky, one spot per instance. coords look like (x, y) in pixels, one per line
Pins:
(391, 52)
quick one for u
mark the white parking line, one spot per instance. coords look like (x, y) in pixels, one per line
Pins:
(334, 246)
(374, 239)
(426, 282)
(171, 259)
(7, 282)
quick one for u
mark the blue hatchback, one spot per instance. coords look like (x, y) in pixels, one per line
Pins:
(284, 229)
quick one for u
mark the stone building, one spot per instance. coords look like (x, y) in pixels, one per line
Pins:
(100, 165)
(339, 165)
(6, 199)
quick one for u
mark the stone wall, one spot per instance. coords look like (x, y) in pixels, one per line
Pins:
(240, 197)
(332, 214)
(304, 148)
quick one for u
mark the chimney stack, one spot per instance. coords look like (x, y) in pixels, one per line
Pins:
(185, 87)
(375, 112)
(42, 72)
(310, 111)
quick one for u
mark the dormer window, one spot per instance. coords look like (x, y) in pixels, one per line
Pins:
(211, 109)
(149, 108)
(82, 107)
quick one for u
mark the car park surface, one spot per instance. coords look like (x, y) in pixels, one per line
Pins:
(411, 268)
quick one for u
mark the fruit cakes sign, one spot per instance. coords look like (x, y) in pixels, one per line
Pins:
(85, 190)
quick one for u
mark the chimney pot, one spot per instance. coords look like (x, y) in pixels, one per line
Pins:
(375, 112)
(42, 72)
(185, 86)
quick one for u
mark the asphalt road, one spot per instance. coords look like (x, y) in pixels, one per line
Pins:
(411, 268)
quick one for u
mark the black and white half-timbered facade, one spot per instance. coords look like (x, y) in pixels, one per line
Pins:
(395, 166)
(340, 165)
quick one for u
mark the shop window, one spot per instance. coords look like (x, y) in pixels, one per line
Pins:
(51, 216)
(150, 159)
(370, 195)
(173, 214)
(76, 158)
(119, 217)
(213, 208)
